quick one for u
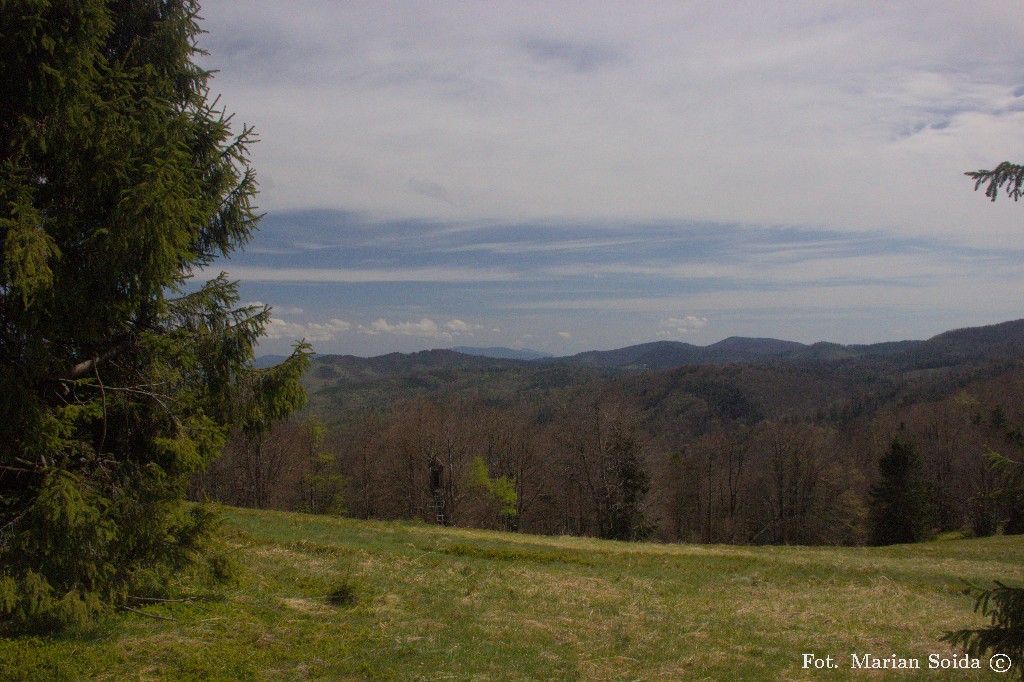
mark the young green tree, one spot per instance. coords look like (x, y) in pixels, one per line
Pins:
(323, 486)
(494, 497)
(119, 179)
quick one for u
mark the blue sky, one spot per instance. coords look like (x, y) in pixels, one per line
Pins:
(567, 176)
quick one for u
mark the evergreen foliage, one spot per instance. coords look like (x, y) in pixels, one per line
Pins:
(119, 178)
(899, 503)
(1003, 604)
(1010, 175)
(627, 486)
(323, 486)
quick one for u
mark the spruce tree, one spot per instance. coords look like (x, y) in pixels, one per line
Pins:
(119, 179)
(899, 503)
(1003, 604)
(628, 485)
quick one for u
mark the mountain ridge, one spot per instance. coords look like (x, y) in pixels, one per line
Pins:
(503, 352)
(949, 347)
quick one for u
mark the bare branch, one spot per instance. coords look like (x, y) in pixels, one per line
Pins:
(88, 366)
(149, 615)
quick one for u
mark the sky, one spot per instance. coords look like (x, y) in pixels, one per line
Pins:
(569, 176)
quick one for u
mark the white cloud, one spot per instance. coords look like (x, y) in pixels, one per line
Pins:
(565, 335)
(335, 329)
(311, 331)
(460, 327)
(278, 309)
(843, 117)
(360, 275)
(807, 113)
(680, 326)
(425, 328)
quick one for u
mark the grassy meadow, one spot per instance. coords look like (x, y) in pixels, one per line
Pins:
(321, 598)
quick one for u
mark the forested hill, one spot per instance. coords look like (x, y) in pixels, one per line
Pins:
(954, 348)
(668, 354)
(745, 440)
(949, 348)
(736, 378)
(503, 353)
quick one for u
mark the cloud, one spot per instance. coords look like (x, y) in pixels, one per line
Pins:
(358, 275)
(431, 190)
(425, 328)
(674, 326)
(334, 329)
(574, 56)
(277, 309)
(727, 111)
(310, 331)
(565, 335)
(460, 327)
(762, 163)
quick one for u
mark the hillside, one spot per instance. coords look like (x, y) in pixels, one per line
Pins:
(417, 602)
(502, 353)
(768, 376)
(704, 452)
(669, 354)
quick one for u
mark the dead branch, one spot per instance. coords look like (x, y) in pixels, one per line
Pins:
(150, 615)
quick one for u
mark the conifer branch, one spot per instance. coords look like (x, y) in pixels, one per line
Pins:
(1009, 174)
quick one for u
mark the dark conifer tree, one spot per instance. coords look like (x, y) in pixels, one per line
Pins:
(899, 503)
(1003, 604)
(628, 485)
(119, 178)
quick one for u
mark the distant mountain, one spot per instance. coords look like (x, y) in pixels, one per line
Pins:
(668, 354)
(972, 345)
(657, 354)
(265, 361)
(742, 349)
(957, 347)
(502, 353)
(357, 370)
(1006, 338)
(748, 377)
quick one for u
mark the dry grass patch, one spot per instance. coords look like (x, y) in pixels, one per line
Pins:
(505, 606)
(310, 606)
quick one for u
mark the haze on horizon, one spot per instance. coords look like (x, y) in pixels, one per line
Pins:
(563, 178)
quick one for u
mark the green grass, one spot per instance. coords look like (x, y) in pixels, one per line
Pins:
(335, 599)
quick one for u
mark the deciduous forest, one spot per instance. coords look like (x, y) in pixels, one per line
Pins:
(790, 448)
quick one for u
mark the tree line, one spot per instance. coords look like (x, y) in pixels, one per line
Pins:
(601, 460)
